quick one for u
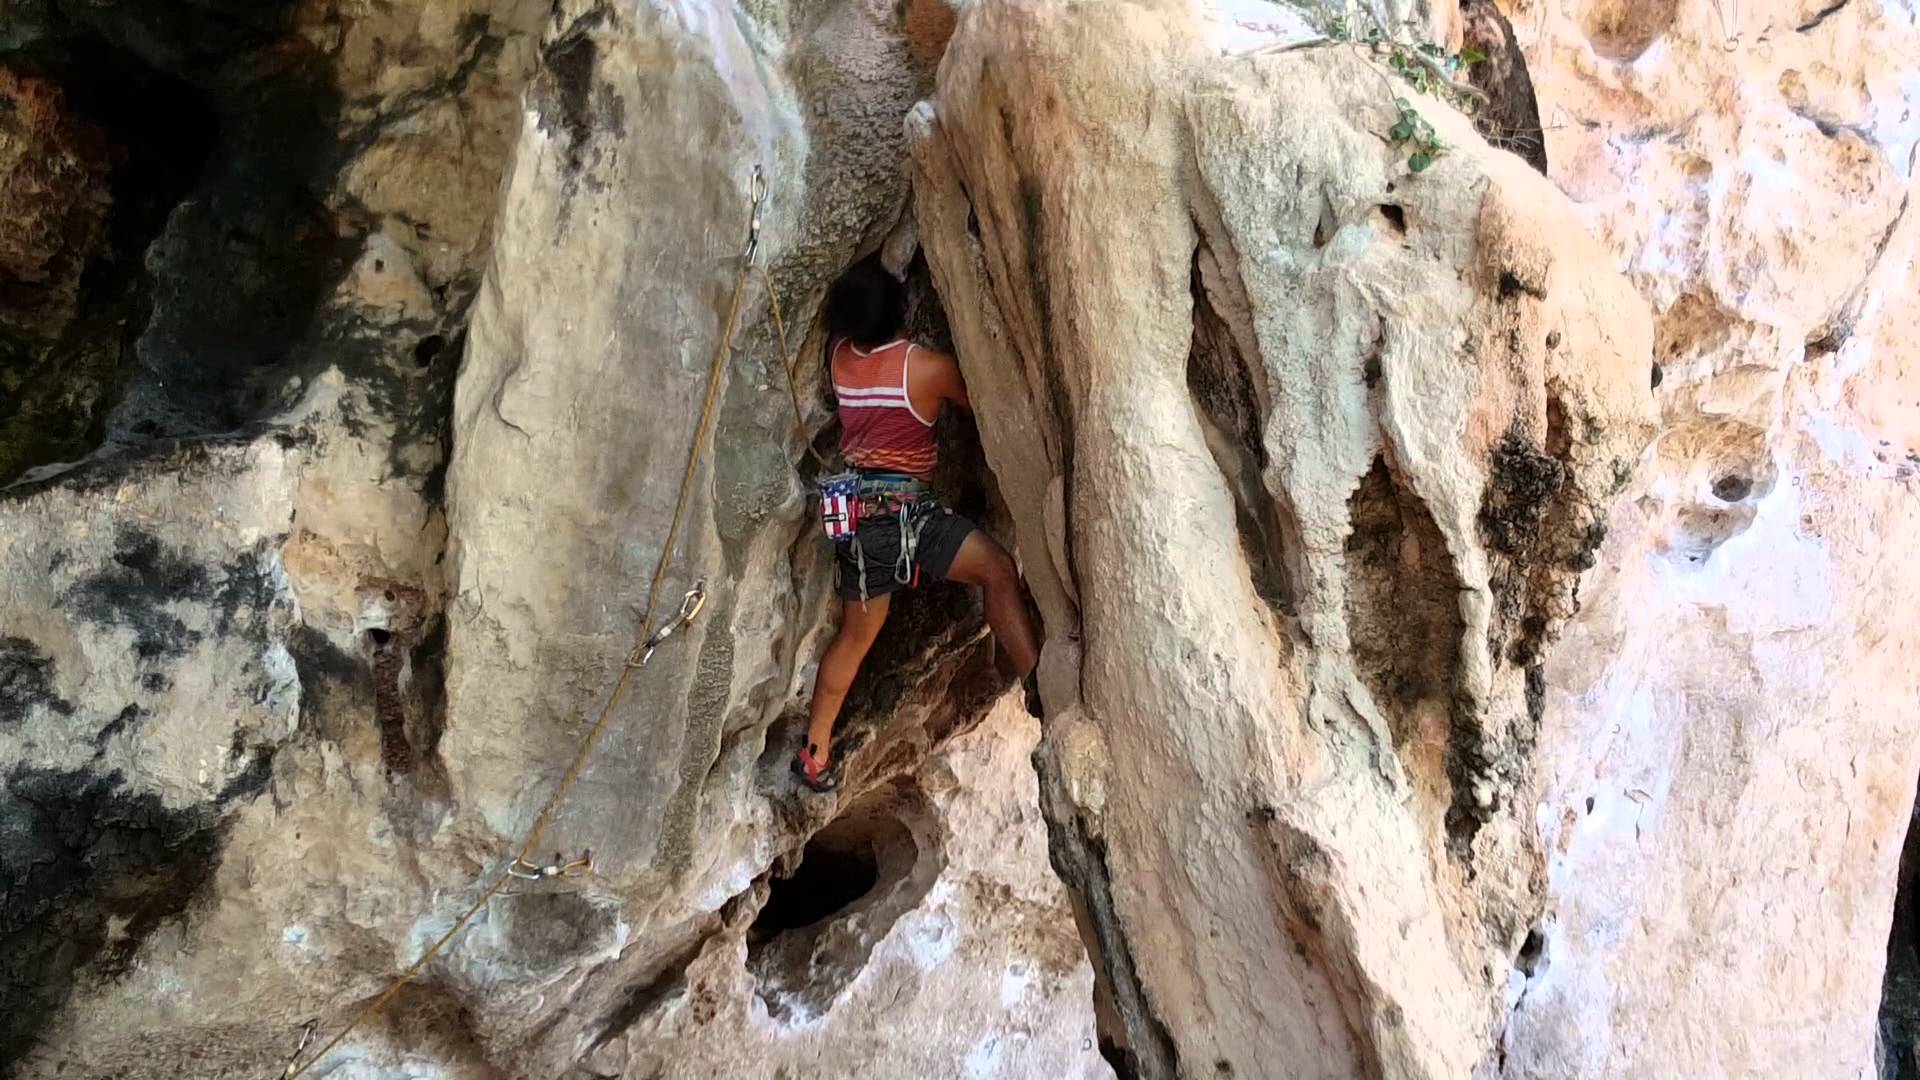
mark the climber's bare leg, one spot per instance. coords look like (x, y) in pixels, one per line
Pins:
(983, 562)
(859, 625)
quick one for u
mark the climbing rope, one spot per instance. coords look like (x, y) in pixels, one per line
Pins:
(521, 867)
(789, 361)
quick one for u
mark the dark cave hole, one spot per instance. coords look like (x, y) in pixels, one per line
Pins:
(1732, 488)
(855, 877)
(1533, 953)
(429, 349)
(835, 871)
(61, 373)
(379, 638)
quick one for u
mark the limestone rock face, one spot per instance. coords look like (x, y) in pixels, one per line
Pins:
(294, 653)
(1729, 744)
(1314, 450)
(1475, 617)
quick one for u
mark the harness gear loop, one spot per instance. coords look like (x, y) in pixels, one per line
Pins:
(723, 346)
(690, 606)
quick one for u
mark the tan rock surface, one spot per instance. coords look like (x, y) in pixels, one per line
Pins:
(1311, 461)
(1307, 412)
(983, 977)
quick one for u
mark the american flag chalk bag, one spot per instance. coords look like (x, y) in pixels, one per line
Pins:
(840, 504)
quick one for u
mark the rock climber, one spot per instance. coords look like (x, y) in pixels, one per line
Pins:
(890, 392)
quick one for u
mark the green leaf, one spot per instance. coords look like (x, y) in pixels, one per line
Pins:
(1400, 132)
(1472, 56)
(1420, 161)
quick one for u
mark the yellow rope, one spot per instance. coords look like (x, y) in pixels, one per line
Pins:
(720, 350)
(790, 361)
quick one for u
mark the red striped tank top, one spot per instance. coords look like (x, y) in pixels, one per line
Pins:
(879, 429)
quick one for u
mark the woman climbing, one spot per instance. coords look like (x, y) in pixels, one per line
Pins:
(890, 393)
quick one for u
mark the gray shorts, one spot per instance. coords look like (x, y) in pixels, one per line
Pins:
(941, 535)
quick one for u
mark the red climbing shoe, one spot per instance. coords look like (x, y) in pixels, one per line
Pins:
(811, 773)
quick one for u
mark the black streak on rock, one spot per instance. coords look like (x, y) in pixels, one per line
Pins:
(126, 718)
(26, 682)
(1081, 861)
(135, 589)
(87, 872)
(144, 582)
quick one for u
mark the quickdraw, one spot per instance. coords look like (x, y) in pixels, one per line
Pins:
(690, 606)
(559, 867)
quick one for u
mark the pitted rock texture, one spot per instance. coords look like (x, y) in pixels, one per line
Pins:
(1729, 753)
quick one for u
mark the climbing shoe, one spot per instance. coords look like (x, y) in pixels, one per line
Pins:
(810, 772)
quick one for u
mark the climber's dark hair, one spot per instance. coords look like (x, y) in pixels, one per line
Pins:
(867, 305)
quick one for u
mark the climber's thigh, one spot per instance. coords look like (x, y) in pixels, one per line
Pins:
(943, 542)
(980, 560)
(860, 622)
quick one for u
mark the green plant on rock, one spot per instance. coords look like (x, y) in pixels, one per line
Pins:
(1413, 132)
(1427, 68)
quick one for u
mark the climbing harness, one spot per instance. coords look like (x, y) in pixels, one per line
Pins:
(690, 606)
(905, 499)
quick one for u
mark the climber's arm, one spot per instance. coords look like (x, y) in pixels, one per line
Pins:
(933, 380)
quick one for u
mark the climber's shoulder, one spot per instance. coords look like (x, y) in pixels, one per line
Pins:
(934, 377)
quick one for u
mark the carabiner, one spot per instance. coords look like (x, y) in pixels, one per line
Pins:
(690, 606)
(757, 191)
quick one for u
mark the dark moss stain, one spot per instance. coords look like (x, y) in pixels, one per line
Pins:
(1536, 694)
(125, 719)
(334, 685)
(1584, 555)
(1512, 285)
(87, 872)
(1468, 765)
(1520, 489)
(26, 682)
(136, 588)
(568, 100)
(143, 581)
